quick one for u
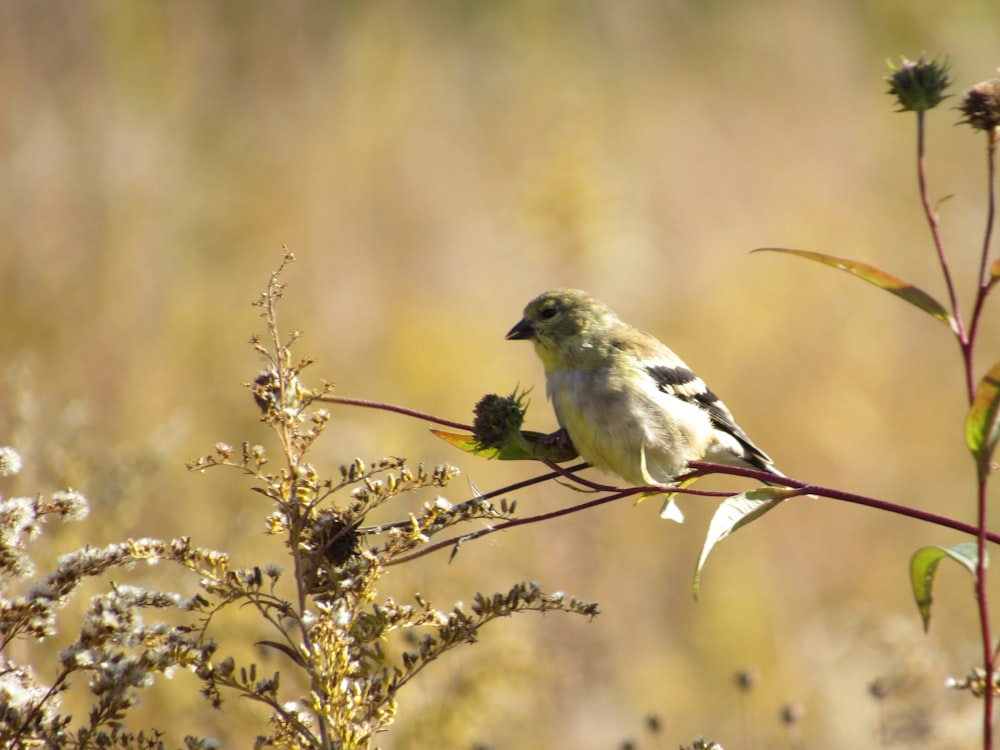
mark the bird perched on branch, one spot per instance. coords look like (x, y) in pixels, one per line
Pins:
(629, 404)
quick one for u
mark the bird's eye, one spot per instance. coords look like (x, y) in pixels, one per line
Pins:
(547, 313)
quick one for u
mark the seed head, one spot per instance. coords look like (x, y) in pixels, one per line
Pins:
(981, 106)
(498, 419)
(918, 85)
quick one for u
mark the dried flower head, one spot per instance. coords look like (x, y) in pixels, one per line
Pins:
(10, 461)
(497, 419)
(340, 542)
(918, 85)
(981, 106)
(267, 391)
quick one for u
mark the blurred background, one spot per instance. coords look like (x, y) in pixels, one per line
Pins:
(436, 165)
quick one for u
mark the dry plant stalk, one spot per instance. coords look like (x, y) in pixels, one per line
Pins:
(342, 640)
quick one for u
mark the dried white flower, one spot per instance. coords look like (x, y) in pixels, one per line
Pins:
(10, 461)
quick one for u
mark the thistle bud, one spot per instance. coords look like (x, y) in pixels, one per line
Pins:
(498, 420)
(918, 85)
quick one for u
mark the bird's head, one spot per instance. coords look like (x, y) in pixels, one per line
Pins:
(563, 321)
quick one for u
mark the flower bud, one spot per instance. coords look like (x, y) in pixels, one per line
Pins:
(498, 420)
(918, 85)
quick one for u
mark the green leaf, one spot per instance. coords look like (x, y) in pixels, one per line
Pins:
(903, 289)
(982, 426)
(527, 446)
(923, 569)
(733, 513)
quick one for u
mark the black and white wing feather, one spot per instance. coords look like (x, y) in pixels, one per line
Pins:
(682, 383)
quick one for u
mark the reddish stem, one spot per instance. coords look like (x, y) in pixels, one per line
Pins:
(617, 493)
(349, 401)
(982, 591)
(935, 227)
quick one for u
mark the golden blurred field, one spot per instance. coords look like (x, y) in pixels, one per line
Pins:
(434, 166)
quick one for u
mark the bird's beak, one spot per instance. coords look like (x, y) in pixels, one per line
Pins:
(523, 330)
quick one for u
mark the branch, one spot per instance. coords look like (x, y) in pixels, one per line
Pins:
(349, 401)
(849, 497)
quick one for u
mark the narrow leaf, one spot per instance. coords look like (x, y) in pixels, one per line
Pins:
(982, 426)
(526, 446)
(733, 513)
(465, 443)
(923, 569)
(903, 289)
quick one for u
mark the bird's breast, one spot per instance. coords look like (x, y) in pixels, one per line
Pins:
(615, 422)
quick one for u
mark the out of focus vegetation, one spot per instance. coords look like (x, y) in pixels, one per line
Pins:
(434, 166)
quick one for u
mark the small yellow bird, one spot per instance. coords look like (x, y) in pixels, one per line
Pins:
(629, 404)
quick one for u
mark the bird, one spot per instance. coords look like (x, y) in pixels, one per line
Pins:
(630, 406)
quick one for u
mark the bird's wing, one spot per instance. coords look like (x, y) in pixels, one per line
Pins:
(679, 381)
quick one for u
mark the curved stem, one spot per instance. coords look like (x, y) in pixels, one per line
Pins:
(984, 260)
(991, 169)
(935, 227)
(349, 401)
(851, 497)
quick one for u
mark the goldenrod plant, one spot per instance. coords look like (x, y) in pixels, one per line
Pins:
(347, 653)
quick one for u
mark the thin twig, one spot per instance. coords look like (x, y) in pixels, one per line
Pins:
(617, 493)
(349, 401)
(458, 540)
(982, 589)
(984, 261)
(935, 227)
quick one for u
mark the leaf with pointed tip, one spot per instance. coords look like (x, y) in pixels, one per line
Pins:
(528, 445)
(903, 289)
(465, 442)
(982, 426)
(923, 569)
(735, 512)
